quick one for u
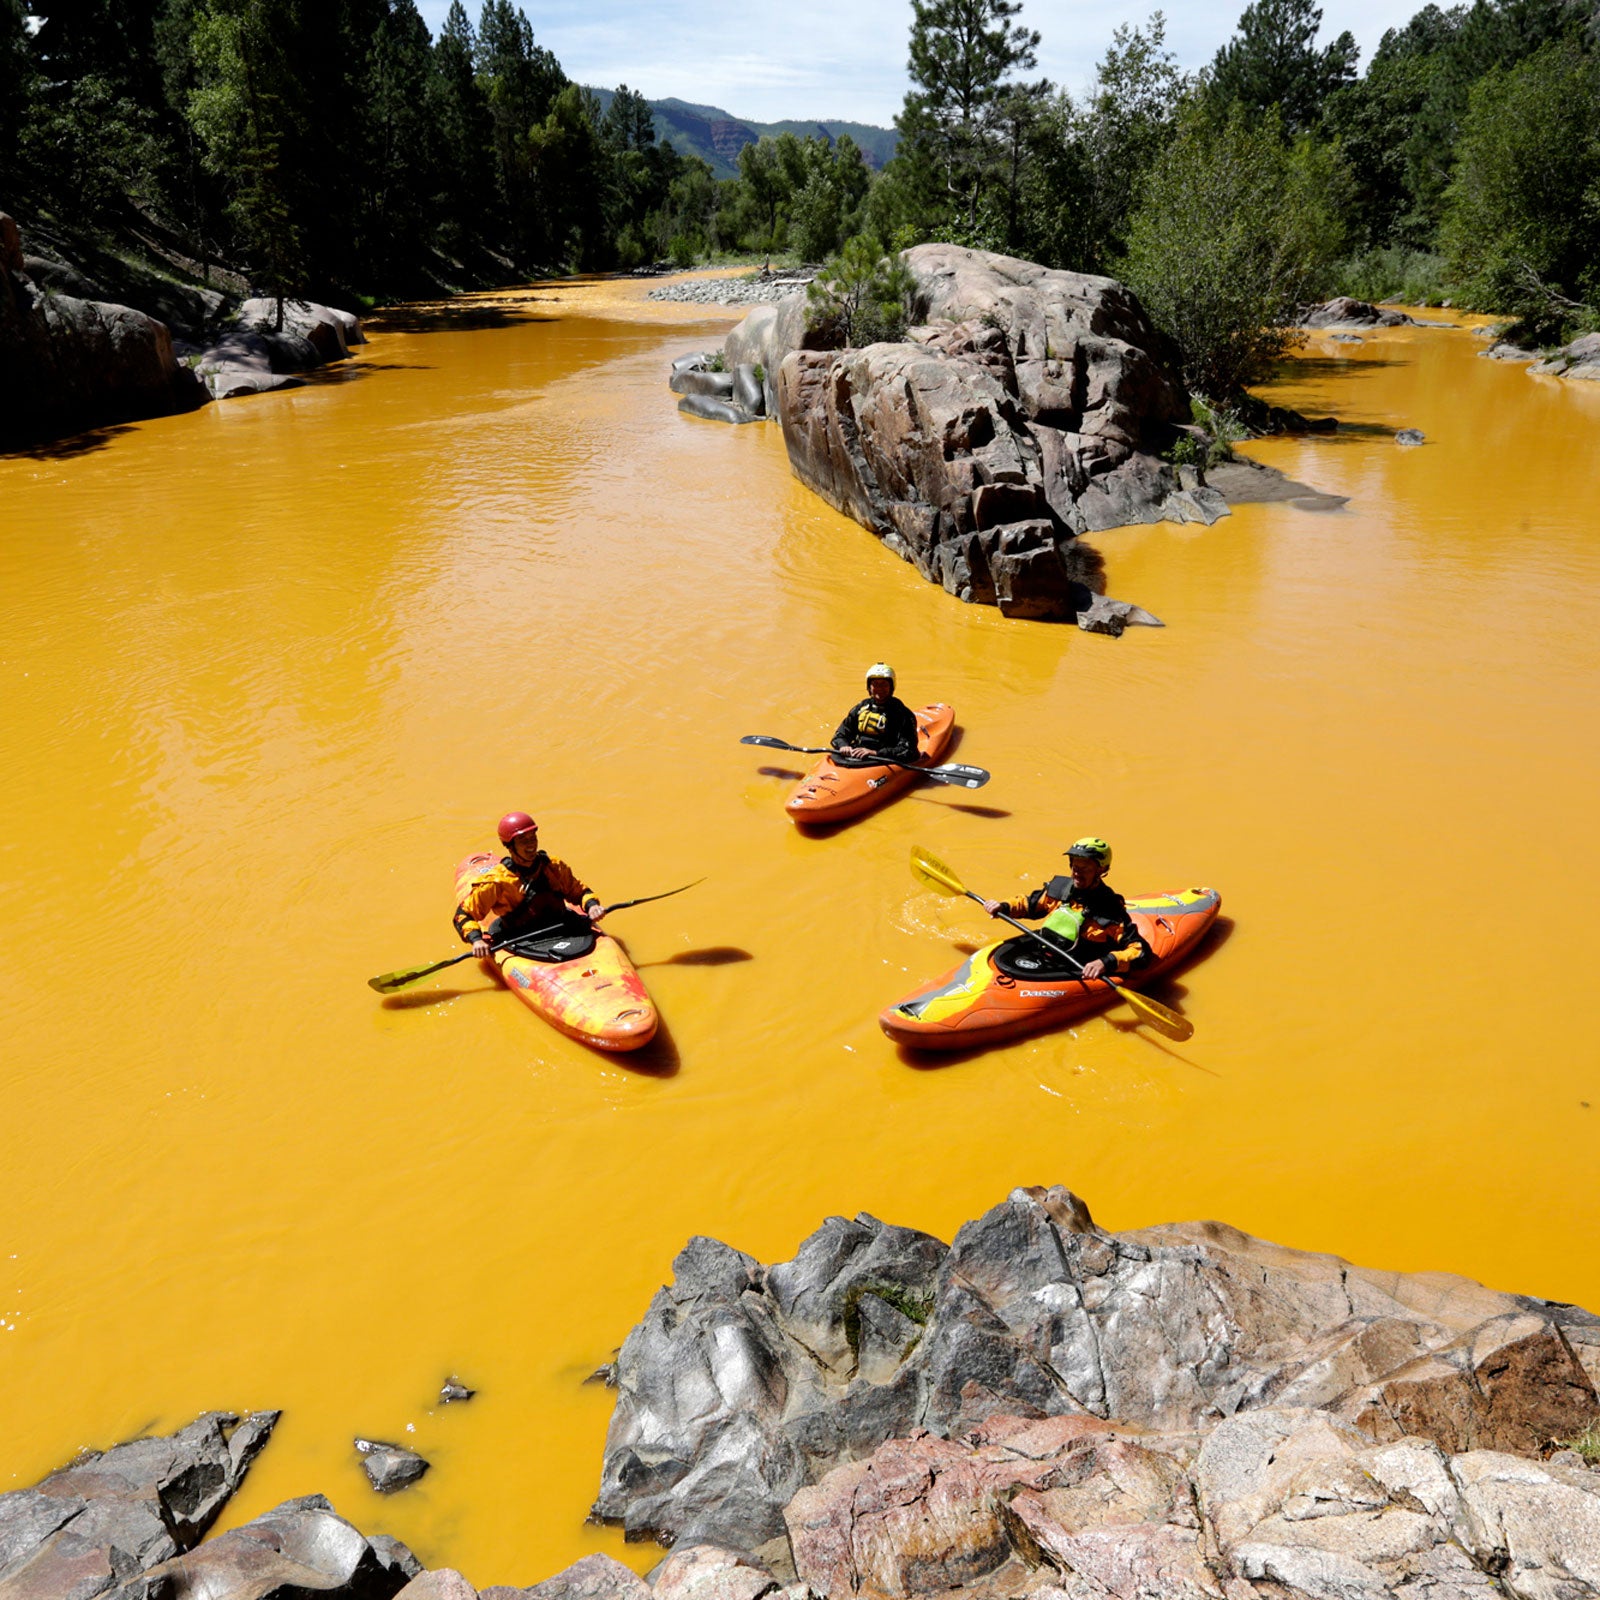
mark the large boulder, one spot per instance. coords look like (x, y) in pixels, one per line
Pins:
(1580, 359)
(109, 1516)
(68, 364)
(1026, 406)
(744, 1384)
(1345, 312)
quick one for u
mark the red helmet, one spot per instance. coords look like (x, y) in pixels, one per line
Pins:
(514, 823)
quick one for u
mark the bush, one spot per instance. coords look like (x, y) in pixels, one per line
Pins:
(862, 294)
(1234, 229)
(1522, 218)
(1413, 277)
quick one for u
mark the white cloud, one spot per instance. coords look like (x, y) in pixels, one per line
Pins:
(768, 60)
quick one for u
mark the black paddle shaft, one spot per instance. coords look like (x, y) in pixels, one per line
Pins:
(948, 772)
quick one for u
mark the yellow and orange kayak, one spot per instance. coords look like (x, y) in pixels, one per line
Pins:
(830, 792)
(596, 997)
(991, 996)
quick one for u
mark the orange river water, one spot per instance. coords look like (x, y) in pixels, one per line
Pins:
(271, 668)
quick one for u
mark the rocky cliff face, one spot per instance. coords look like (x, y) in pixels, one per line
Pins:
(1026, 406)
(745, 1384)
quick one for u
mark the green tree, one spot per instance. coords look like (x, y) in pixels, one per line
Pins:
(520, 80)
(1091, 164)
(1522, 220)
(964, 57)
(1273, 60)
(861, 294)
(1234, 228)
(395, 205)
(244, 112)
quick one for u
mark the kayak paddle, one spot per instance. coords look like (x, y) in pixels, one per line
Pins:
(949, 772)
(388, 982)
(934, 874)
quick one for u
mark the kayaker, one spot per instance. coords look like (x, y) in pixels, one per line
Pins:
(528, 889)
(879, 728)
(1088, 917)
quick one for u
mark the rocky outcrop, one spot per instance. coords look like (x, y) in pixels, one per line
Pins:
(1578, 360)
(1345, 312)
(68, 364)
(1026, 406)
(97, 1525)
(1280, 1501)
(744, 1384)
(255, 355)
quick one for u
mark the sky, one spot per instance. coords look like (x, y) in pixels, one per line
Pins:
(771, 60)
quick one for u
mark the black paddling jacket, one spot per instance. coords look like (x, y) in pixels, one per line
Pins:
(1107, 932)
(888, 730)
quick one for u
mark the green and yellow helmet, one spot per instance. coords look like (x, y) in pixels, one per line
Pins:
(1095, 849)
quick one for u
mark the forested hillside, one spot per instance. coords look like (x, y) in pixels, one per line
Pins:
(335, 148)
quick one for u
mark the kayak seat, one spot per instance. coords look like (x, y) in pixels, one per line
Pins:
(1025, 957)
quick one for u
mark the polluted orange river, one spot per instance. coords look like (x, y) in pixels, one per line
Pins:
(270, 669)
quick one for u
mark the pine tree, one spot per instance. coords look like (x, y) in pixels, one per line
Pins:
(964, 55)
(1274, 61)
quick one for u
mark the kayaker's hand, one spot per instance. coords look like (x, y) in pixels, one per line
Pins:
(1094, 969)
(596, 911)
(481, 948)
(992, 907)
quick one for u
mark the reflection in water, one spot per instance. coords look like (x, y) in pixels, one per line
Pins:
(271, 668)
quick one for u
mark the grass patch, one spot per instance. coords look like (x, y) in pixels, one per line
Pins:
(916, 1305)
(1587, 1443)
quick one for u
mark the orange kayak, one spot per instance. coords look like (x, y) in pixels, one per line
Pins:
(991, 997)
(830, 792)
(596, 997)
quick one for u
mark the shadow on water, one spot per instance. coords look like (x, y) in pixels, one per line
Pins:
(350, 371)
(453, 317)
(416, 999)
(961, 805)
(791, 773)
(1331, 366)
(716, 955)
(658, 1059)
(74, 445)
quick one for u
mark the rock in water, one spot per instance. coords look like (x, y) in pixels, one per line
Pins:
(1025, 407)
(112, 1515)
(743, 1384)
(1411, 436)
(455, 1391)
(390, 1467)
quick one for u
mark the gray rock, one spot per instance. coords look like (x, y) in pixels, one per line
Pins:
(749, 390)
(301, 1549)
(740, 1387)
(390, 1467)
(1345, 312)
(713, 409)
(109, 1516)
(692, 380)
(1579, 360)
(1411, 436)
(596, 1577)
(455, 1392)
(444, 1583)
(707, 1572)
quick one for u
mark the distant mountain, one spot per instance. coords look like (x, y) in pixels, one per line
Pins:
(717, 137)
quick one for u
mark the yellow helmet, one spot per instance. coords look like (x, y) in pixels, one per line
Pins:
(1094, 849)
(880, 669)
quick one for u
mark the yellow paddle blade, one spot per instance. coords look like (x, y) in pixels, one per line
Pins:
(933, 874)
(388, 982)
(1157, 1015)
